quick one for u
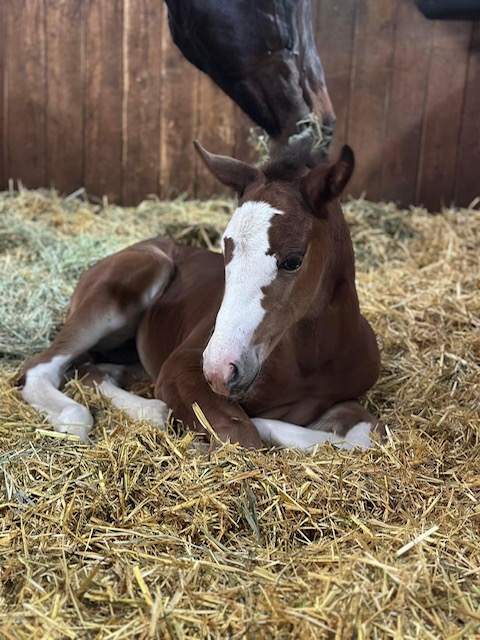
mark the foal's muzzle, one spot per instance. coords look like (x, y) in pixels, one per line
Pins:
(232, 379)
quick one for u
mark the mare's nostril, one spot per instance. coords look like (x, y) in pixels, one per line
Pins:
(329, 120)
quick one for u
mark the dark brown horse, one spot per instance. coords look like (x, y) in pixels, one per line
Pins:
(262, 55)
(450, 9)
(269, 340)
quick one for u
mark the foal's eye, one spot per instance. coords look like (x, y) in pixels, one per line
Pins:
(291, 262)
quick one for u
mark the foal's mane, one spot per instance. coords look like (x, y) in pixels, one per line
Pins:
(292, 160)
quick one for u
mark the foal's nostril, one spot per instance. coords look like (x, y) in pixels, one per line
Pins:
(234, 374)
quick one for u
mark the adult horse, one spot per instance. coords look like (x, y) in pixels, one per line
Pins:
(269, 341)
(450, 9)
(262, 55)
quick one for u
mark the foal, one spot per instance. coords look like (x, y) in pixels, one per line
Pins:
(269, 341)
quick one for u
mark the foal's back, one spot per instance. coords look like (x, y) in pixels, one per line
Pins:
(187, 308)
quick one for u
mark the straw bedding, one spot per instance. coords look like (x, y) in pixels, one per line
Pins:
(138, 535)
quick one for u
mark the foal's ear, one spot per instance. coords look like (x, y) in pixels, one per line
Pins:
(340, 173)
(231, 172)
(326, 182)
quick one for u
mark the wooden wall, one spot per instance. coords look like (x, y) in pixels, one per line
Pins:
(94, 93)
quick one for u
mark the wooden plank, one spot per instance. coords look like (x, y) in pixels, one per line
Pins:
(215, 132)
(3, 113)
(443, 112)
(178, 118)
(467, 182)
(141, 103)
(243, 149)
(103, 99)
(410, 69)
(26, 91)
(405, 90)
(372, 60)
(334, 34)
(65, 20)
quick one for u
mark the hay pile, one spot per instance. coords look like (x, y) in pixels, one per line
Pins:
(140, 536)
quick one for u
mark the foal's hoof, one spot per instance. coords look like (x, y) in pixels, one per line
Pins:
(365, 435)
(381, 433)
(75, 421)
(155, 412)
(358, 436)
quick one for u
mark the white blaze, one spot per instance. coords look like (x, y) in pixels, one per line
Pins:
(248, 272)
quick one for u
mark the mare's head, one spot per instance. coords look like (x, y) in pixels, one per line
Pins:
(286, 248)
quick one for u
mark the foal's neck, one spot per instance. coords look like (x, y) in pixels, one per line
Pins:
(333, 317)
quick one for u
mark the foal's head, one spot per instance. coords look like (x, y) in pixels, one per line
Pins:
(285, 248)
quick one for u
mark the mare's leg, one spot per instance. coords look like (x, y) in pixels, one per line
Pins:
(346, 425)
(105, 310)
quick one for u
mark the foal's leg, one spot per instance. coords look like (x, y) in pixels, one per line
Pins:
(44, 374)
(109, 380)
(181, 383)
(346, 425)
(104, 313)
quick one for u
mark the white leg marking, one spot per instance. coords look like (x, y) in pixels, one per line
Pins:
(284, 434)
(153, 411)
(41, 392)
(359, 436)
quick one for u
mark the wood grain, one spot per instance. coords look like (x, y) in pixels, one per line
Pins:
(65, 31)
(215, 130)
(103, 99)
(95, 93)
(179, 117)
(412, 58)
(335, 30)
(243, 148)
(467, 178)
(443, 112)
(141, 99)
(26, 91)
(369, 97)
